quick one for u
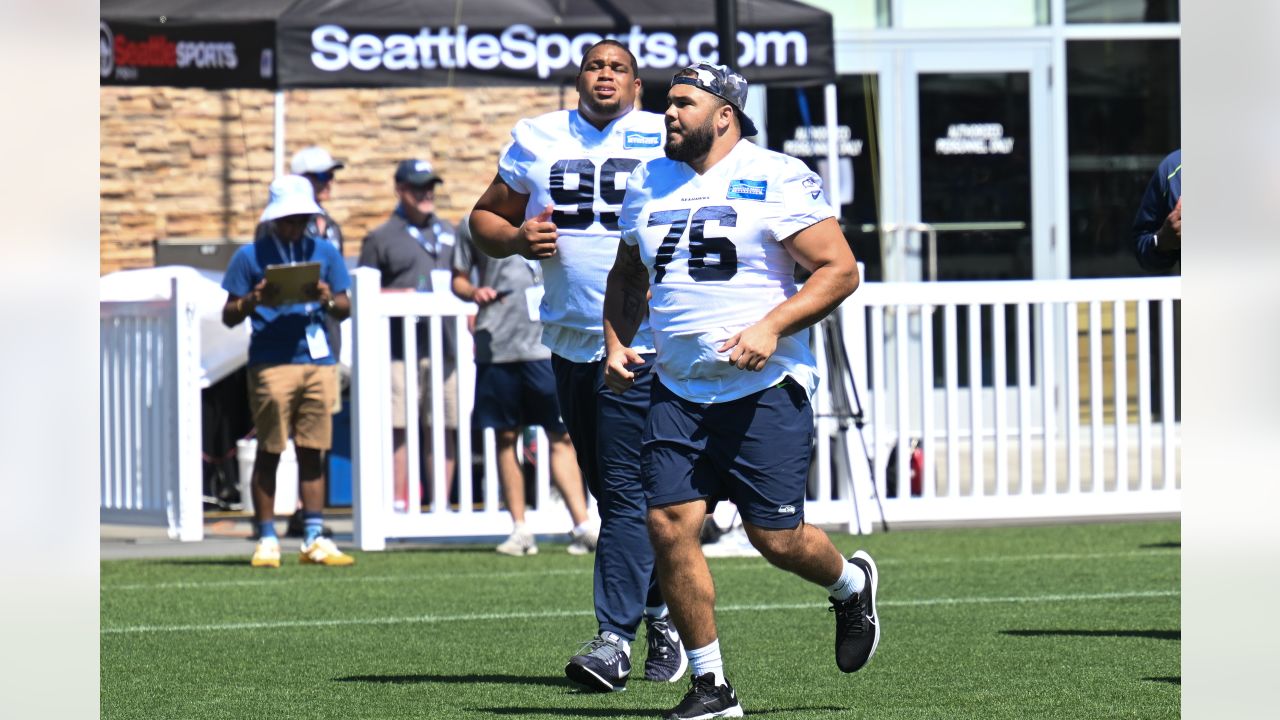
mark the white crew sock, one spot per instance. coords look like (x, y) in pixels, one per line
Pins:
(707, 660)
(657, 613)
(851, 581)
(619, 641)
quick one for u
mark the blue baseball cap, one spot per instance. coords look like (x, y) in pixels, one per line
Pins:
(416, 173)
(724, 83)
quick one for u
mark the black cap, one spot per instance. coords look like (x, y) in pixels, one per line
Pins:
(416, 172)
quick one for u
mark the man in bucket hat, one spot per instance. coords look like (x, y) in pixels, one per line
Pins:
(712, 233)
(292, 386)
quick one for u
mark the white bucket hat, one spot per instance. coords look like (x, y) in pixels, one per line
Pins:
(290, 195)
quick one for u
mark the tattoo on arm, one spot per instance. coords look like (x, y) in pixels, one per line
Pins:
(637, 287)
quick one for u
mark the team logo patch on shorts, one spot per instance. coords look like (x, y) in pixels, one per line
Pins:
(747, 189)
(633, 139)
(787, 509)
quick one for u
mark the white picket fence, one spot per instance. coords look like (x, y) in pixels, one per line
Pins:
(1028, 421)
(1018, 448)
(473, 514)
(149, 424)
(1023, 446)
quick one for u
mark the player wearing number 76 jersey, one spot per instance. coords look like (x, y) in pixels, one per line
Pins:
(714, 230)
(556, 199)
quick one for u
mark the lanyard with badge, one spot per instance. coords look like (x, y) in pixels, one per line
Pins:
(432, 244)
(317, 343)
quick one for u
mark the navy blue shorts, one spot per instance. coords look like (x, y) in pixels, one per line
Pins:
(754, 451)
(513, 395)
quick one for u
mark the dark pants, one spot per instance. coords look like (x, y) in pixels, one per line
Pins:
(606, 429)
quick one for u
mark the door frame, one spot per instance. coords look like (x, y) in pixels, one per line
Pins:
(897, 66)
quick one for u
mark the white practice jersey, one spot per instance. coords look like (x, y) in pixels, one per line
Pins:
(713, 247)
(560, 159)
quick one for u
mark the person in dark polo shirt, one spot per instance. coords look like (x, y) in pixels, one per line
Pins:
(405, 249)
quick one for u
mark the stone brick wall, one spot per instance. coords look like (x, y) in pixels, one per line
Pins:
(190, 163)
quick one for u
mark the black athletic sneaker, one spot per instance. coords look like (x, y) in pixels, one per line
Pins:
(706, 699)
(601, 664)
(665, 661)
(857, 625)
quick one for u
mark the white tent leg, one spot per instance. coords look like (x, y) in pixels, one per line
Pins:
(278, 142)
(832, 180)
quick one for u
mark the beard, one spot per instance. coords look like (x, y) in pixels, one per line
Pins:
(695, 143)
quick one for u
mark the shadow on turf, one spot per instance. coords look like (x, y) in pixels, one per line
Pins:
(1153, 634)
(206, 562)
(634, 712)
(1161, 546)
(457, 679)
(1171, 680)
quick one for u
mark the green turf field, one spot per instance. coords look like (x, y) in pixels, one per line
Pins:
(1075, 621)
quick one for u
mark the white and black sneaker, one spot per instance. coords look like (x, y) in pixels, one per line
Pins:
(857, 625)
(706, 699)
(665, 660)
(601, 665)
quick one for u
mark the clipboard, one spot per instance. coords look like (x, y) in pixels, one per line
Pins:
(292, 281)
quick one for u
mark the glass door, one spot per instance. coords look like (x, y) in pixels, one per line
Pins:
(973, 201)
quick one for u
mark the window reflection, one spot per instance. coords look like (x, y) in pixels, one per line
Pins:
(1123, 108)
(936, 14)
(1120, 11)
(797, 127)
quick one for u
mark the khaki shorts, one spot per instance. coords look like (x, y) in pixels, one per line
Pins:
(424, 395)
(292, 400)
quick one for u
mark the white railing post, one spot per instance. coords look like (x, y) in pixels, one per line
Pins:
(370, 360)
(186, 491)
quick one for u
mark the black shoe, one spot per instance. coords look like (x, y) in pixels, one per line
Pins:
(665, 661)
(601, 664)
(857, 625)
(706, 699)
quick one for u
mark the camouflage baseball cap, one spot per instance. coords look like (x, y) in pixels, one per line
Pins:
(724, 83)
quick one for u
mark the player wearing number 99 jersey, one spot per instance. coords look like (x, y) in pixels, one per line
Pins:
(556, 199)
(562, 160)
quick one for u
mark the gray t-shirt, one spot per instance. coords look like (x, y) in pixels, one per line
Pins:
(504, 332)
(406, 255)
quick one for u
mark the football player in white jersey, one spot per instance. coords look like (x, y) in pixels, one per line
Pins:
(714, 231)
(555, 199)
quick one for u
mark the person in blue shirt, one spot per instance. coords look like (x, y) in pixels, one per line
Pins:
(292, 385)
(1157, 229)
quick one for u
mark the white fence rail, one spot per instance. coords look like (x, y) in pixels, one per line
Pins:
(1027, 399)
(149, 364)
(462, 511)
